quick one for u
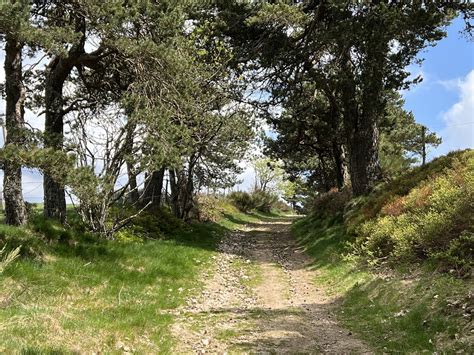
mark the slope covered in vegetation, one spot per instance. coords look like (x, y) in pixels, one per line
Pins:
(401, 258)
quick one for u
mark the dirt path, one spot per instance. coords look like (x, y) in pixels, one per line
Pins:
(261, 298)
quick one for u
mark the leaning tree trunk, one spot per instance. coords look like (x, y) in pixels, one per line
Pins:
(153, 188)
(57, 72)
(132, 175)
(54, 196)
(15, 210)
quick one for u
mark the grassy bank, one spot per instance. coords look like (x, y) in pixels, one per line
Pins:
(418, 300)
(70, 291)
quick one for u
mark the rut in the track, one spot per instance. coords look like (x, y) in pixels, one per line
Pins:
(261, 298)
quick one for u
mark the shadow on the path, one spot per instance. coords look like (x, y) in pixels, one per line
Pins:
(270, 242)
(234, 219)
(303, 328)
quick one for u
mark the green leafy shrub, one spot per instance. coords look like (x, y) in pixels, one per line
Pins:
(459, 257)
(155, 224)
(210, 208)
(242, 200)
(432, 220)
(264, 201)
(331, 203)
(282, 206)
(259, 200)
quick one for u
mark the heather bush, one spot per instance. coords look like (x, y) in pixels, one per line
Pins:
(459, 257)
(432, 220)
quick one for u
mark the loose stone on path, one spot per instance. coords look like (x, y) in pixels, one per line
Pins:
(281, 312)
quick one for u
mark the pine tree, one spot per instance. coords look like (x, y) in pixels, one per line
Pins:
(13, 18)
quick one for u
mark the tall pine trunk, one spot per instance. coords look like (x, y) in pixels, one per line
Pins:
(153, 188)
(15, 210)
(361, 131)
(343, 178)
(364, 138)
(364, 164)
(57, 72)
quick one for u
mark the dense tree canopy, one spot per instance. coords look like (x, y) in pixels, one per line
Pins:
(140, 97)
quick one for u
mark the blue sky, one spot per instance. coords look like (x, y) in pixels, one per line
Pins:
(444, 101)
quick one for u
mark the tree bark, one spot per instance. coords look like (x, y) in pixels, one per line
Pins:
(182, 189)
(132, 183)
(15, 209)
(132, 175)
(153, 188)
(360, 126)
(188, 202)
(423, 145)
(363, 155)
(56, 73)
(174, 185)
(340, 163)
(364, 133)
(346, 176)
(338, 148)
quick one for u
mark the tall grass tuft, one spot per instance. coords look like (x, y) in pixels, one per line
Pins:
(6, 258)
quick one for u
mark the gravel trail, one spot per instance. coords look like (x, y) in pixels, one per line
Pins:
(261, 298)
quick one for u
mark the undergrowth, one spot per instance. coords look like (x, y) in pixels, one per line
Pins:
(433, 220)
(400, 259)
(70, 291)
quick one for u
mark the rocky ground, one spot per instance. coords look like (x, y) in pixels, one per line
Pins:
(261, 298)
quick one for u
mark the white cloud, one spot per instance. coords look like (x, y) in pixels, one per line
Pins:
(247, 177)
(458, 132)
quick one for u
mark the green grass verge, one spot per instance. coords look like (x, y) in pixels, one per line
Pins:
(393, 313)
(72, 292)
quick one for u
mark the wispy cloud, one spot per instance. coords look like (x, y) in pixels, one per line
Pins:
(458, 132)
(415, 72)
